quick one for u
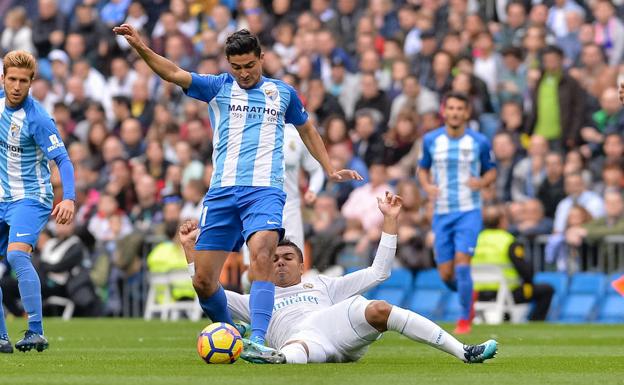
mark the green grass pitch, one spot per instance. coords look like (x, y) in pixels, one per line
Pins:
(119, 351)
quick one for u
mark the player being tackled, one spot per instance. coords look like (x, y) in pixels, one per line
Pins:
(327, 319)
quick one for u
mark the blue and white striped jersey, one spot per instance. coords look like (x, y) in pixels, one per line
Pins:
(452, 162)
(248, 128)
(28, 139)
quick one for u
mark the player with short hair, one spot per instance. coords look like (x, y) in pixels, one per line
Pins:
(456, 164)
(28, 139)
(246, 199)
(326, 319)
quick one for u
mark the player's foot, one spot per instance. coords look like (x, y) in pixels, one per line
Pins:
(31, 341)
(478, 353)
(5, 345)
(242, 327)
(259, 354)
(464, 326)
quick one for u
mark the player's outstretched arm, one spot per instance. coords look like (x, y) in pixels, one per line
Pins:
(164, 67)
(314, 143)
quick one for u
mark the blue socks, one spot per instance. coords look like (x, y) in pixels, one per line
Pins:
(3, 330)
(464, 287)
(261, 299)
(215, 307)
(29, 288)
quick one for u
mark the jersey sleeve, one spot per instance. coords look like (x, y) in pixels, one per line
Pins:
(363, 280)
(48, 138)
(295, 112)
(425, 157)
(238, 304)
(205, 87)
(486, 156)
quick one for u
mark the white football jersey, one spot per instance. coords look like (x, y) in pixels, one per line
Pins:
(294, 303)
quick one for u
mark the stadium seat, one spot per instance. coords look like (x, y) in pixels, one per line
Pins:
(67, 305)
(493, 312)
(612, 309)
(578, 308)
(559, 282)
(429, 279)
(587, 283)
(168, 308)
(427, 303)
(452, 308)
(584, 294)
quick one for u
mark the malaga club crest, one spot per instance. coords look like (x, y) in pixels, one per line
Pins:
(272, 94)
(14, 130)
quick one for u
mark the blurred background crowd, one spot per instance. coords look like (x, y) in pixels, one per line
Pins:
(541, 76)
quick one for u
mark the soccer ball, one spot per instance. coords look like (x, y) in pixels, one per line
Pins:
(219, 343)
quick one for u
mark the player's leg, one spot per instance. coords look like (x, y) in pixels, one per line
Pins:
(303, 351)
(383, 316)
(262, 245)
(212, 299)
(444, 249)
(26, 218)
(5, 343)
(293, 223)
(219, 234)
(261, 213)
(466, 231)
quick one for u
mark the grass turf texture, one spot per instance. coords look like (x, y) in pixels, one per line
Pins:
(116, 351)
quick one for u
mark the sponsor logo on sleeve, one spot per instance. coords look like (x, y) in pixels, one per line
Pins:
(56, 143)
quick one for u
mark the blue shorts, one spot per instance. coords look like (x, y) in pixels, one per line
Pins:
(456, 233)
(21, 221)
(233, 214)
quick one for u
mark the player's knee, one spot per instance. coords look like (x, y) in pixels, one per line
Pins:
(263, 256)
(204, 285)
(377, 313)
(462, 259)
(446, 274)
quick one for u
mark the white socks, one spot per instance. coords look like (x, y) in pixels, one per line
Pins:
(419, 328)
(295, 354)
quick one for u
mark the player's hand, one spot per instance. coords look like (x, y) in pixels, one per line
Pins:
(390, 205)
(64, 212)
(474, 184)
(130, 33)
(621, 90)
(432, 191)
(344, 176)
(188, 232)
(309, 197)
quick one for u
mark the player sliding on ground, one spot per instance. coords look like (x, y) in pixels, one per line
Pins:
(327, 319)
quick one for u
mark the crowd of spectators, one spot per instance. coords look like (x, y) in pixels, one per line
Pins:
(541, 77)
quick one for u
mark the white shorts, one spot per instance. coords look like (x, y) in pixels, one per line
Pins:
(292, 222)
(340, 330)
